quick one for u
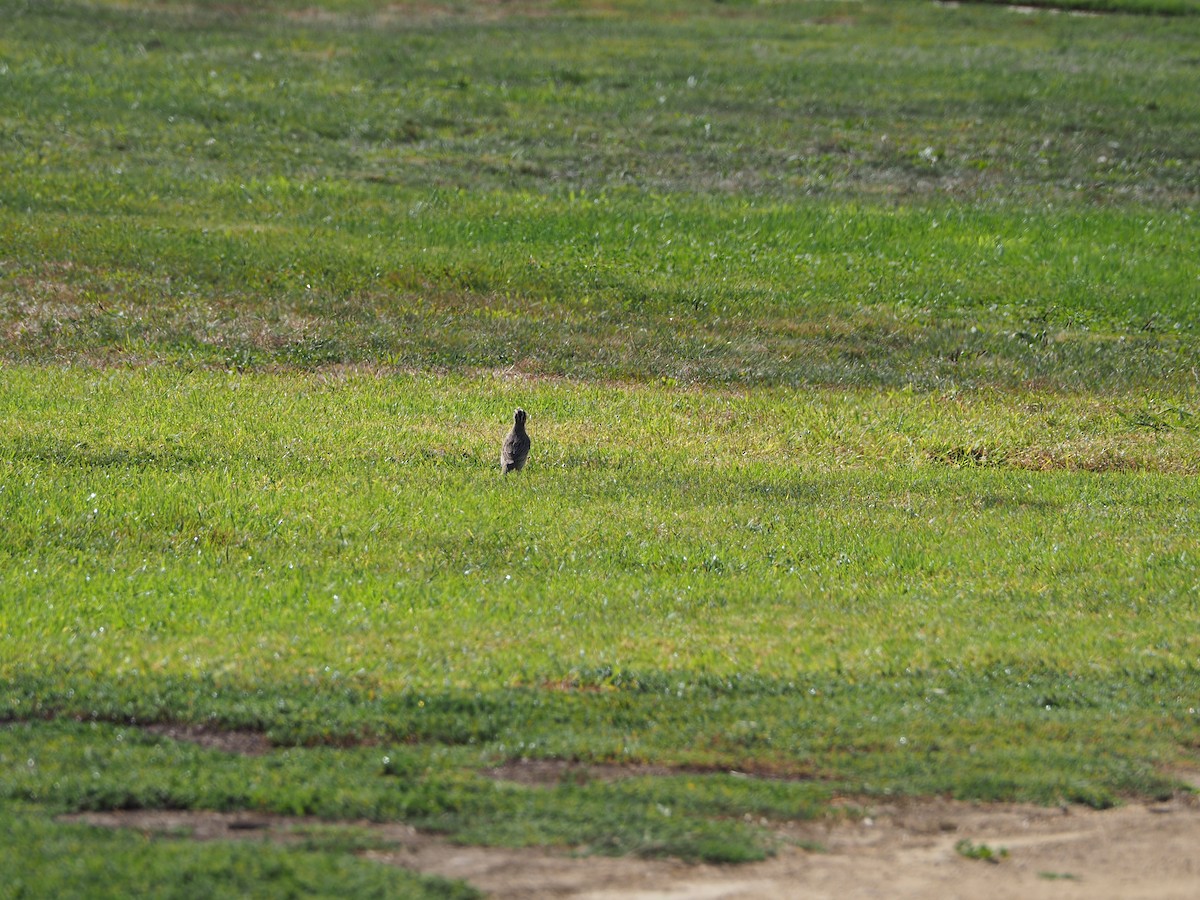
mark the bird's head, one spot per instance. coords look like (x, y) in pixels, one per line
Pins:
(519, 418)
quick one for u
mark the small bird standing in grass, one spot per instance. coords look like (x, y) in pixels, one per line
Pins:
(516, 445)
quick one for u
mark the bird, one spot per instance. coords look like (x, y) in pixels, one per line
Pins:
(516, 445)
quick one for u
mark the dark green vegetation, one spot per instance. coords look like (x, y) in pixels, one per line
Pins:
(859, 345)
(43, 859)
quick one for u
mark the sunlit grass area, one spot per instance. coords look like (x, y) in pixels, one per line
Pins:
(848, 586)
(185, 524)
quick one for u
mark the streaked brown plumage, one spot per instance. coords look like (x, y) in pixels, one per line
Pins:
(516, 445)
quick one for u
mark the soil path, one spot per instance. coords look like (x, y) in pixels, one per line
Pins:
(905, 850)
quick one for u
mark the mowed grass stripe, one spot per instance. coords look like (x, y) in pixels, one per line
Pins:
(608, 286)
(167, 523)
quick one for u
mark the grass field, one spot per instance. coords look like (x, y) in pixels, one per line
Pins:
(859, 346)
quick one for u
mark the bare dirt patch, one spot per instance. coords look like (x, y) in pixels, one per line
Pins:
(900, 850)
(549, 772)
(243, 743)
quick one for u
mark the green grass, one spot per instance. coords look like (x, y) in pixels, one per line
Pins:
(808, 584)
(859, 346)
(842, 194)
(45, 859)
(982, 852)
(202, 521)
(697, 291)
